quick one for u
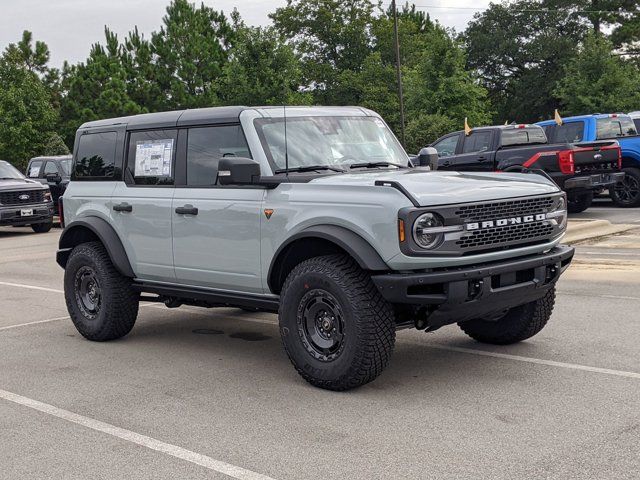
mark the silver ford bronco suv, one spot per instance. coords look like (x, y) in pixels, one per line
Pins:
(316, 213)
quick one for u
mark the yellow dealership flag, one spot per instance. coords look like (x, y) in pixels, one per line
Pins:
(557, 117)
(467, 128)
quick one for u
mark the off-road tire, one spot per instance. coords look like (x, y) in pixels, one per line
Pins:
(42, 227)
(368, 323)
(631, 183)
(518, 324)
(577, 203)
(119, 302)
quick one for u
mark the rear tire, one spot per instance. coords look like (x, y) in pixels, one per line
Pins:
(579, 202)
(42, 227)
(518, 324)
(626, 194)
(101, 302)
(336, 328)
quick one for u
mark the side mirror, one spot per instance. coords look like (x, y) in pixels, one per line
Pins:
(238, 171)
(428, 157)
(53, 178)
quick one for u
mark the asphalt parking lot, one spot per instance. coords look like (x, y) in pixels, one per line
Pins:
(195, 393)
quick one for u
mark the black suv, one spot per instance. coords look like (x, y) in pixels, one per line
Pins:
(52, 171)
(24, 202)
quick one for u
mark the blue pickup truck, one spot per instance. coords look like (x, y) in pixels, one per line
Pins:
(588, 128)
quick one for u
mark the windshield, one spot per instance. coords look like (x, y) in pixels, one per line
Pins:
(615, 127)
(329, 141)
(9, 171)
(66, 166)
(523, 136)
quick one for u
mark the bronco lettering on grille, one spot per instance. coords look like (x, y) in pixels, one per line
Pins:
(505, 221)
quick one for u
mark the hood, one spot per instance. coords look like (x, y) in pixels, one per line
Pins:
(21, 184)
(443, 188)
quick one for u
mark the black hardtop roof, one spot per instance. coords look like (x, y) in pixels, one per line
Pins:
(210, 115)
(197, 116)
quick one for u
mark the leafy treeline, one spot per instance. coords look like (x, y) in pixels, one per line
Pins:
(517, 60)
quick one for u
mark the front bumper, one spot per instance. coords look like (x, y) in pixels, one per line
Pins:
(593, 182)
(12, 215)
(458, 294)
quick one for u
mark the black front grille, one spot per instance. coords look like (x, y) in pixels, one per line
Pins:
(22, 197)
(505, 235)
(504, 209)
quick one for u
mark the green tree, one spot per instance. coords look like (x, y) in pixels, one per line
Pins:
(27, 117)
(96, 89)
(519, 53)
(53, 144)
(262, 69)
(598, 81)
(190, 51)
(438, 92)
(333, 38)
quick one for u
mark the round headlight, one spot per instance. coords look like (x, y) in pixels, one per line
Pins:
(421, 230)
(562, 207)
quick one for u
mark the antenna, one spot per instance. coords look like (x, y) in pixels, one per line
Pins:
(286, 145)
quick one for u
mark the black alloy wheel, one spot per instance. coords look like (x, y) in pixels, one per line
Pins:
(88, 292)
(321, 325)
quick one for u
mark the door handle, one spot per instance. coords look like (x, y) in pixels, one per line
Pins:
(123, 207)
(187, 210)
(446, 164)
(482, 159)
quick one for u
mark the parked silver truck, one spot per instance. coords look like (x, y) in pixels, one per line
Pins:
(316, 213)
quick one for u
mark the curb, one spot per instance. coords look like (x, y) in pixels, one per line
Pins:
(583, 230)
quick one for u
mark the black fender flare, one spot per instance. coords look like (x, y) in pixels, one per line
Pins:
(104, 232)
(357, 247)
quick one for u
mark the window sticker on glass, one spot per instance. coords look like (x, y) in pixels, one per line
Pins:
(153, 158)
(35, 170)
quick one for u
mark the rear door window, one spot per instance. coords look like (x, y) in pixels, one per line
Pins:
(477, 142)
(151, 157)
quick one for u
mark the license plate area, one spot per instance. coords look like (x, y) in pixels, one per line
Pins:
(26, 212)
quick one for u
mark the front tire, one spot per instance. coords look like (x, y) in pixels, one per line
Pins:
(518, 324)
(336, 328)
(577, 203)
(101, 302)
(42, 227)
(626, 194)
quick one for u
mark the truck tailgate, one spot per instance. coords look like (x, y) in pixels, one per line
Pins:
(596, 156)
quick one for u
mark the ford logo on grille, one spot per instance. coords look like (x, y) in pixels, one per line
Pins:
(24, 196)
(503, 222)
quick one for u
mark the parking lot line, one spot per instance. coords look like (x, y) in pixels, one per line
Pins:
(228, 469)
(538, 361)
(34, 323)
(31, 287)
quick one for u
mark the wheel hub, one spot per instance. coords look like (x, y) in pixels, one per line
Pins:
(320, 325)
(88, 292)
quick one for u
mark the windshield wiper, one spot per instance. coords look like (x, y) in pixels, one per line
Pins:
(9, 178)
(309, 168)
(376, 164)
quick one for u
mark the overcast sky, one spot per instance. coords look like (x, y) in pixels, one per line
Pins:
(69, 27)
